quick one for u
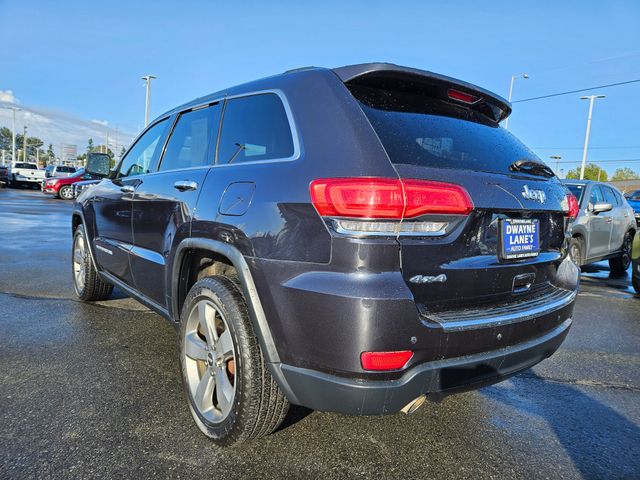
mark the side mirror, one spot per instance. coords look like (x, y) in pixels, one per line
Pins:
(601, 207)
(98, 164)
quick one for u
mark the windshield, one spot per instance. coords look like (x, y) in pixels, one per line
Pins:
(416, 130)
(577, 190)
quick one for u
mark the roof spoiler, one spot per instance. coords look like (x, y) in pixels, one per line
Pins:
(493, 106)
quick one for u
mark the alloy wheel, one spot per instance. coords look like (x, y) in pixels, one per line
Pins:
(79, 253)
(210, 361)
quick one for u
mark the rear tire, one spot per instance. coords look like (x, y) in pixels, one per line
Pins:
(576, 250)
(230, 392)
(622, 262)
(86, 282)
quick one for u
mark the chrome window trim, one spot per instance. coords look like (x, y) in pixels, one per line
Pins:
(292, 128)
(297, 146)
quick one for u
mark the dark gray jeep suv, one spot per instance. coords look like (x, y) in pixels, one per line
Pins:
(353, 240)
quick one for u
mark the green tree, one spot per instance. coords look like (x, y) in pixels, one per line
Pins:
(625, 174)
(591, 172)
(102, 149)
(122, 152)
(50, 153)
(90, 145)
(6, 138)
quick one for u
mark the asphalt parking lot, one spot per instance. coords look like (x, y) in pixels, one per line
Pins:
(94, 391)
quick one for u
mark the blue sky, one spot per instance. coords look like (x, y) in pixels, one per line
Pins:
(85, 59)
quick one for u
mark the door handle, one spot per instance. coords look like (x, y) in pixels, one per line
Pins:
(127, 189)
(609, 220)
(184, 185)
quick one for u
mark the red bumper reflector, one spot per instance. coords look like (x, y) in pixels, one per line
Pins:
(385, 360)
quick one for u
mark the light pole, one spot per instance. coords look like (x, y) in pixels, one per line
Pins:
(591, 99)
(513, 80)
(24, 143)
(557, 158)
(13, 131)
(147, 83)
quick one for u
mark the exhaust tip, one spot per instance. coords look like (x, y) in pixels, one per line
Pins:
(414, 405)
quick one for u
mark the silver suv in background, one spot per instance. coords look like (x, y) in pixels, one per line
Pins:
(59, 171)
(605, 225)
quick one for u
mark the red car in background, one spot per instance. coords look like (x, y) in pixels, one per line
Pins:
(62, 187)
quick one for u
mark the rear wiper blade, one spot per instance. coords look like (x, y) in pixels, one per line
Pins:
(532, 167)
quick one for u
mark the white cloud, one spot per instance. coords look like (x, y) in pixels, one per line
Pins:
(8, 96)
(56, 127)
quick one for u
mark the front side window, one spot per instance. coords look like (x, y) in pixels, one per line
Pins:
(138, 159)
(193, 139)
(596, 195)
(609, 196)
(255, 128)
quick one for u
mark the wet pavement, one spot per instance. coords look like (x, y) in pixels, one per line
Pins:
(94, 391)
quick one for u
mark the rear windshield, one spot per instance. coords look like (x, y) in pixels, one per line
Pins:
(26, 166)
(416, 130)
(577, 190)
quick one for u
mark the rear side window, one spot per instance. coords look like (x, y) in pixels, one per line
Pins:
(417, 130)
(26, 166)
(193, 139)
(255, 128)
(66, 169)
(577, 190)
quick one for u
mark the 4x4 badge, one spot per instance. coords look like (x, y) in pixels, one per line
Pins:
(530, 194)
(428, 278)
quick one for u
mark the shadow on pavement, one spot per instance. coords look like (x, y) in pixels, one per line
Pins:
(592, 434)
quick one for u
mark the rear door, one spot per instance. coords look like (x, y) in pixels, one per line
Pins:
(474, 258)
(111, 201)
(165, 200)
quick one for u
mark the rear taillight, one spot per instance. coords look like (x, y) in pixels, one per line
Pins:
(358, 197)
(571, 206)
(385, 360)
(387, 198)
(388, 205)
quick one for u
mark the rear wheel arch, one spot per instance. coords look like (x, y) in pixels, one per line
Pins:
(220, 258)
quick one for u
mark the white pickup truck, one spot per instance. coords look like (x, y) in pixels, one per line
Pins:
(22, 173)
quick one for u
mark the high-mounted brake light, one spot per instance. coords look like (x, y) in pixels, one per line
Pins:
(385, 198)
(385, 360)
(462, 96)
(572, 208)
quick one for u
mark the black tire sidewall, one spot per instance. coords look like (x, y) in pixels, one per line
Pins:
(217, 290)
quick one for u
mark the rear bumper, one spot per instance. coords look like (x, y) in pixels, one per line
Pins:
(437, 379)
